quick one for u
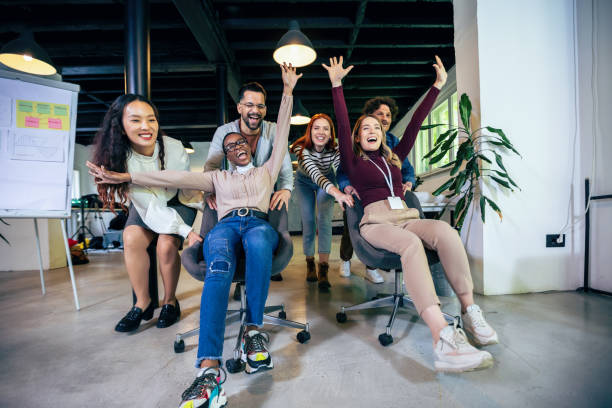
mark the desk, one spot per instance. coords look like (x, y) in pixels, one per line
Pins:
(437, 208)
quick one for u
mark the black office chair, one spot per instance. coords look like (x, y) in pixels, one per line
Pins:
(193, 260)
(385, 260)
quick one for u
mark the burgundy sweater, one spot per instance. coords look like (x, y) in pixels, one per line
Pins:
(363, 175)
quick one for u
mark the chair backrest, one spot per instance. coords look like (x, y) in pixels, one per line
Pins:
(193, 260)
(373, 256)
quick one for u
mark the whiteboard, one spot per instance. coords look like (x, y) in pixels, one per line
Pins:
(37, 136)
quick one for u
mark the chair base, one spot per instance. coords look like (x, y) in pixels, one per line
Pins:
(397, 299)
(240, 314)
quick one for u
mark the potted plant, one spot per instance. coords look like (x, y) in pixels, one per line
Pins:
(475, 149)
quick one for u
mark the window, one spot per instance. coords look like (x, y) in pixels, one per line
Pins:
(445, 112)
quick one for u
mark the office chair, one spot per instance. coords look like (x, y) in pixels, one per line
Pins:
(385, 260)
(193, 260)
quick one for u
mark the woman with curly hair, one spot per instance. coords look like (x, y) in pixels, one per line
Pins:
(129, 140)
(318, 157)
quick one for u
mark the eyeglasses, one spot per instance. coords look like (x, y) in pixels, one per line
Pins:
(230, 147)
(250, 105)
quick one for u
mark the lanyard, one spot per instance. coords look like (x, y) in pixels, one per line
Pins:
(388, 180)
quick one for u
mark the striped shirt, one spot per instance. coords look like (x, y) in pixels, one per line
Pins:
(317, 164)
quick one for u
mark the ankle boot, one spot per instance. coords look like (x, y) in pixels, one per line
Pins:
(311, 270)
(323, 282)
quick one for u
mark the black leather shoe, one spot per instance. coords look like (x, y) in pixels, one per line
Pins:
(276, 278)
(131, 321)
(169, 315)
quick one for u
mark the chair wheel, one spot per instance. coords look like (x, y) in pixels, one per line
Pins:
(303, 336)
(282, 314)
(234, 365)
(385, 339)
(341, 317)
(179, 346)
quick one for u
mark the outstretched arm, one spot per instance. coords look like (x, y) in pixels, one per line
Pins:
(165, 178)
(336, 74)
(290, 78)
(412, 130)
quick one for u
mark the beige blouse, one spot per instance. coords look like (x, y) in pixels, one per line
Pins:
(233, 190)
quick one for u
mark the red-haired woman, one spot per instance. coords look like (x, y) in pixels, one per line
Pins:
(374, 171)
(318, 157)
(130, 140)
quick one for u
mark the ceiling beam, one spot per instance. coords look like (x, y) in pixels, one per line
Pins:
(264, 62)
(336, 1)
(119, 69)
(101, 25)
(269, 45)
(319, 23)
(313, 75)
(358, 20)
(201, 19)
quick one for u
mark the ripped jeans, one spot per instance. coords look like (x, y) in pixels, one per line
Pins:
(259, 241)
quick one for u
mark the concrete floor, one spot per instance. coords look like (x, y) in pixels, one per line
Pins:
(555, 348)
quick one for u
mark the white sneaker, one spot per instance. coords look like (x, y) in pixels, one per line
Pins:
(345, 269)
(373, 276)
(477, 328)
(455, 354)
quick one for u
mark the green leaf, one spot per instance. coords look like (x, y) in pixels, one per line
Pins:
(502, 182)
(448, 164)
(482, 207)
(444, 186)
(485, 158)
(499, 161)
(460, 204)
(443, 136)
(469, 152)
(437, 158)
(495, 208)
(432, 151)
(465, 110)
(456, 168)
(449, 142)
(461, 218)
(425, 127)
(500, 133)
(461, 178)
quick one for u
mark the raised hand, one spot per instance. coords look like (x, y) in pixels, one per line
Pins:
(290, 78)
(335, 71)
(441, 74)
(103, 176)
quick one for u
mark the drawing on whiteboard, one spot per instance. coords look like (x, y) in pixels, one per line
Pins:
(42, 115)
(5, 111)
(38, 147)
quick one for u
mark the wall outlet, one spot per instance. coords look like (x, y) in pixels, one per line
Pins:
(552, 241)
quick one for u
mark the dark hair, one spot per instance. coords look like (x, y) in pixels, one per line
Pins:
(112, 148)
(253, 87)
(225, 137)
(373, 104)
(305, 142)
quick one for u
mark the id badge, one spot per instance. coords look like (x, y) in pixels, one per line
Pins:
(396, 203)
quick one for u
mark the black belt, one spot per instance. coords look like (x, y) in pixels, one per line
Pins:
(246, 212)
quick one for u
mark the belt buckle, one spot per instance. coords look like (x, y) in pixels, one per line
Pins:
(240, 213)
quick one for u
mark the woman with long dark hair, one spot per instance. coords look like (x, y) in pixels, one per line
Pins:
(374, 171)
(130, 140)
(318, 157)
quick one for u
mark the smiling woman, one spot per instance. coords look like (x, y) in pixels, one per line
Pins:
(129, 140)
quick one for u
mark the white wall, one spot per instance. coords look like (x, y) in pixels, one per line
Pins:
(595, 97)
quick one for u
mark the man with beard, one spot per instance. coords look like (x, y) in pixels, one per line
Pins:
(259, 133)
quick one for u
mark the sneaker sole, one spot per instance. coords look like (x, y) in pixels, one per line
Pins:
(374, 281)
(444, 366)
(220, 402)
(476, 341)
(252, 370)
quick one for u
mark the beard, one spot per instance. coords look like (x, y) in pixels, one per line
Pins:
(248, 122)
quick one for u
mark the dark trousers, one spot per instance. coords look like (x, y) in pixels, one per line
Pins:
(346, 247)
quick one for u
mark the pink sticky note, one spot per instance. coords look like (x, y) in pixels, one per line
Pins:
(55, 123)
(32, 122)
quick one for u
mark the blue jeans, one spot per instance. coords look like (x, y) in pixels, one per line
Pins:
(309, 194)
(259, 241)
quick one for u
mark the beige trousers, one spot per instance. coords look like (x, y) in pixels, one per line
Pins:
(389, 229)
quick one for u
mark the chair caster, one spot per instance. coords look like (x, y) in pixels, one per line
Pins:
(385, 339)
(234, 365)
(179, 346)
(341, 317)
(303, 336)
(282, 315)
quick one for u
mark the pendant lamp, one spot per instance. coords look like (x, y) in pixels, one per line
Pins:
(25, 55)
(294, 48)
(300, 115)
